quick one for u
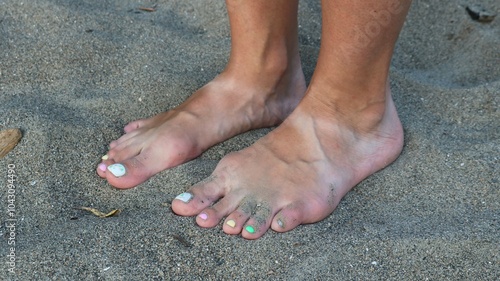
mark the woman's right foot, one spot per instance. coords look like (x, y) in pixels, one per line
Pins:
(262, 84)
(236, 101)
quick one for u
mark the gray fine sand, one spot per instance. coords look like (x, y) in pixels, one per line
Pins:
(73, 73)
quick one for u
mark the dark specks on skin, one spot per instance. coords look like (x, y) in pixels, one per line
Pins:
(262, 213)
(332, 194)
(247, 206)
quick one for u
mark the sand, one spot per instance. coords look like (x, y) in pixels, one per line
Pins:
(73, 73)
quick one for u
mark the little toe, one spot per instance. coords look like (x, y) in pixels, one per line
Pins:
(133, 125)
(288, 218)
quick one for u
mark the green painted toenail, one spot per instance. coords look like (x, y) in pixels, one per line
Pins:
(250, 229)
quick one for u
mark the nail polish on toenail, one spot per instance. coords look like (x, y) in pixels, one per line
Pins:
(184, 197)
(102, 167)
(203, 216)
(281, 223)
(105, 157)
(118, 170)
(250, 229)
(231, 223)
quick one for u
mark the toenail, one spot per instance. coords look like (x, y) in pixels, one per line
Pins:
(102, 167)
(117, 170)
(184, 197)
(250, 229)
(203, 216)
(281, 223)
(105, 157)
(231, 223)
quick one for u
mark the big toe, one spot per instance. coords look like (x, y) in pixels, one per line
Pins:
(198, 197)
(126, 174)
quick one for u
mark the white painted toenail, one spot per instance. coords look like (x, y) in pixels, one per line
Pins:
(118, 170)
(184, 197)
(105, 157)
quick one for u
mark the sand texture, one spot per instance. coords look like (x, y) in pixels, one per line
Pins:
(73, 73)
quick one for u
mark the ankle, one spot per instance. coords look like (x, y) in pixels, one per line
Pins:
(257, 72)
(363, 109)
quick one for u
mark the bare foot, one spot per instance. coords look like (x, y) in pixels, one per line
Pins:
(261, 85)
(234, 102)
(299, 172)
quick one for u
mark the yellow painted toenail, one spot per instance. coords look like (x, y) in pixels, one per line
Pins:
(250, 229)
(105, 157)
(231, 223)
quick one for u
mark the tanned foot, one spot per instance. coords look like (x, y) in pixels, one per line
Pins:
(299, 172)
(233, 103)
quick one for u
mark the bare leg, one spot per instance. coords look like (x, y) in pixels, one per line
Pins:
(261, 85)
(345, 129)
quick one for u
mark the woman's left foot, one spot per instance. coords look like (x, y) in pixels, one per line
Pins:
(299, 172)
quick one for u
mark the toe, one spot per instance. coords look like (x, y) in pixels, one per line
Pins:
(212, 215)
(124, 148)
(128, 173)
(259, 223)
(198, 197)
(124, 138)
(253, 229)
(235, 221)
(113, 144)
(136, 160)
(102, 167)
(134, 125)
(124, 151)
(288, 218)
